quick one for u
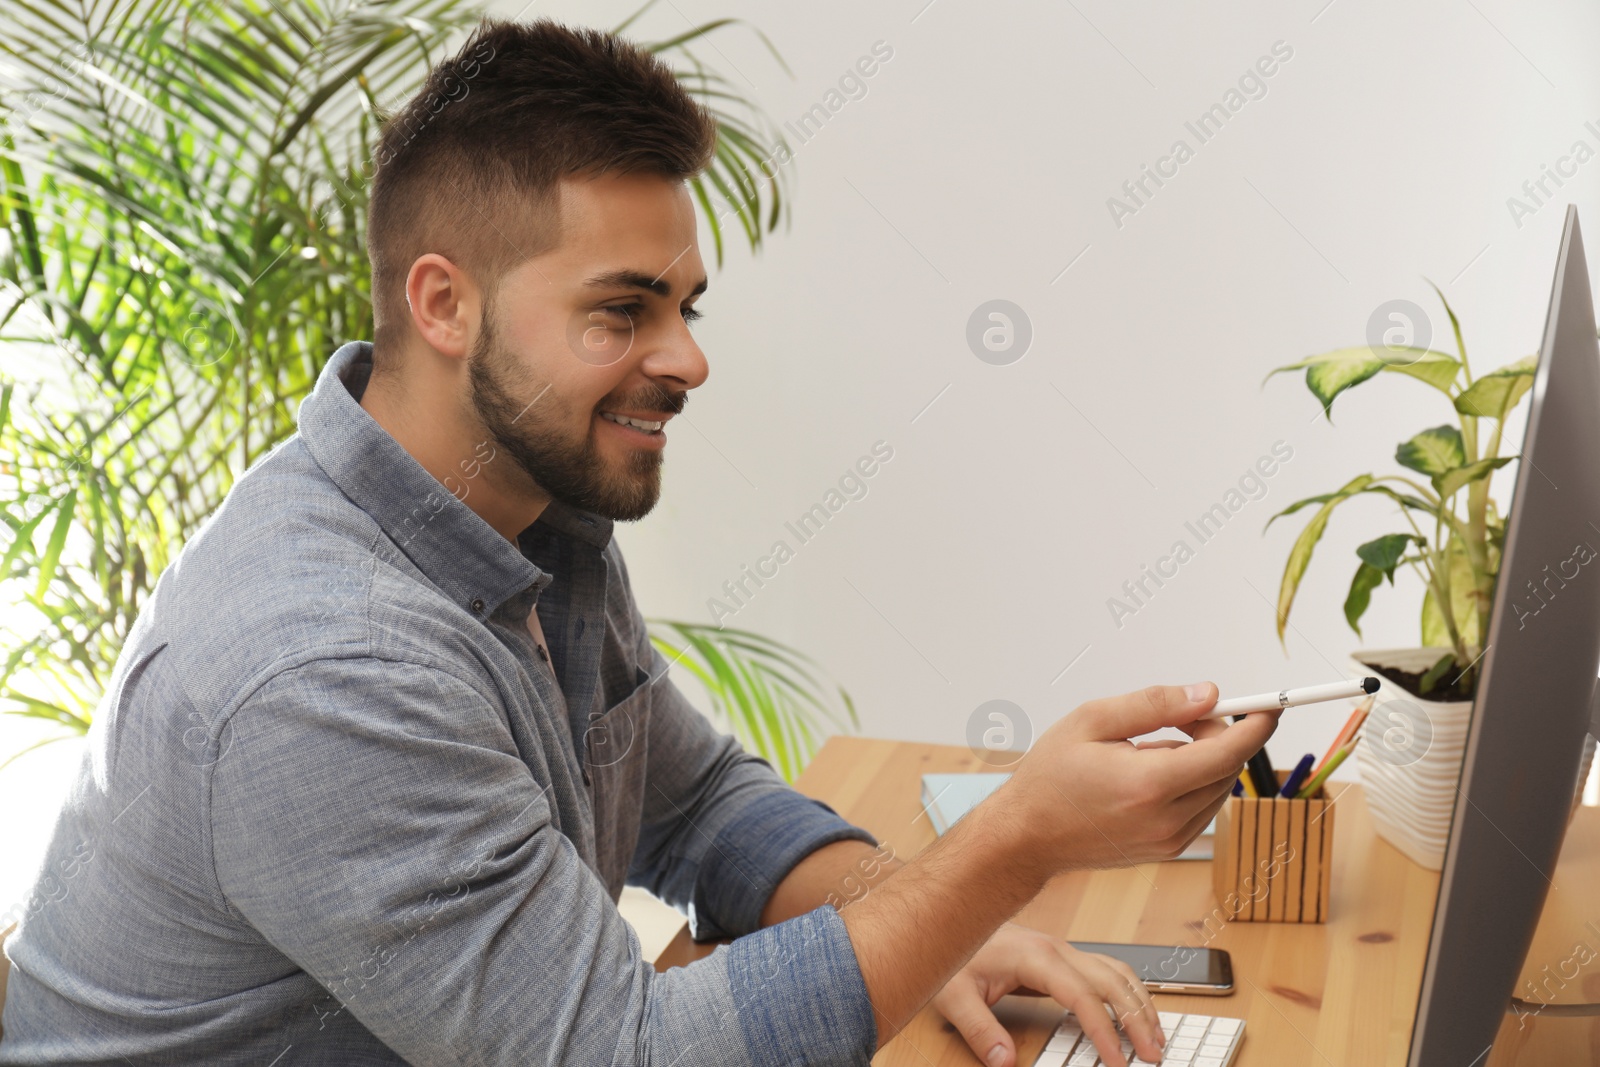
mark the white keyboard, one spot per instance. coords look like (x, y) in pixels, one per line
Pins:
(1192, 1041)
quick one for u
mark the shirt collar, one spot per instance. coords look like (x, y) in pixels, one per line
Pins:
(449, 542)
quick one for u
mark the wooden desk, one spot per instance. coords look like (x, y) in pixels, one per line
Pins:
(1342, 993)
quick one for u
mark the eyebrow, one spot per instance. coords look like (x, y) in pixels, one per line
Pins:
(635, 279)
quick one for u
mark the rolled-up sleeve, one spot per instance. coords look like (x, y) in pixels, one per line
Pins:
(374, 822)
(720, 827)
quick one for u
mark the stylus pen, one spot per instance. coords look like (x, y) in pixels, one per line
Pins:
(1288, 698)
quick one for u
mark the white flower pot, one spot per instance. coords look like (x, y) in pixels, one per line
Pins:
(1410, 757)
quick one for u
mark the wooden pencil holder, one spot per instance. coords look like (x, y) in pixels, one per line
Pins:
(1272, 858)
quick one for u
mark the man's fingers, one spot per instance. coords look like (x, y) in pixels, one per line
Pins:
(1090, 1009)
(1222, 755)
(1202, 795)
(1218, 796)
(1144, 711)
(1136, 1010)
(960, 1003)
(1073, 986)
(1204, 727)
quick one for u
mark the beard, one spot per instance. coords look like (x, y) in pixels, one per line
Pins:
(570, 469)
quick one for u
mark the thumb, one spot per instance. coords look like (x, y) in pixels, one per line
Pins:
(960, 1003)
(1131, 714)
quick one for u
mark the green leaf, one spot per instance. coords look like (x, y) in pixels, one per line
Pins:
(1455, 325)
(1495, 394)
(771, 698)
(1384, 553)
(1452, 481)
(23, 751)
(1300, 554)
(1434, 368)
(631, 19)
(1406, 500)
(1433, 451)
(34, 708)
(1332, 373)
(1416, 503)
(1379, 558)
(1435, 633)
(1367, 578)
(1320, 498)
(58, 539)
(22, 540)
(1436, 672)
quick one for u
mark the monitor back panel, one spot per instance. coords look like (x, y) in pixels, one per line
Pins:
(1532, 711)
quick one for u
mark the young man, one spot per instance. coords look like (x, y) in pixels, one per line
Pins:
(390, 736)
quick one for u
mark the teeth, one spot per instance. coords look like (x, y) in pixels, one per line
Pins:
(637, 424)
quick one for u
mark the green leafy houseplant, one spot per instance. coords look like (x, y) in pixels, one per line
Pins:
(1456, 533)
(182, 245)
(772, 696)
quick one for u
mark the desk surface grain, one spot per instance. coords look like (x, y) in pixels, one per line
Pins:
(1339, 993)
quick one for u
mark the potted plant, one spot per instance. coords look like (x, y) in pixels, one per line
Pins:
(1412, 743)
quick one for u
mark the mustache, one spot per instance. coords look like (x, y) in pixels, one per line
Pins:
(653, 397)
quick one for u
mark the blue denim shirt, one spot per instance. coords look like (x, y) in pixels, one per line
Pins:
(336, 808)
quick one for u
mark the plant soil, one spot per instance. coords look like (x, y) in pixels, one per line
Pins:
(1444, 692)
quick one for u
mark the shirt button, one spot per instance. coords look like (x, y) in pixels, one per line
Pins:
(477, 604)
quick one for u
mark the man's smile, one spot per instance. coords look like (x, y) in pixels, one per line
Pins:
(639, 432)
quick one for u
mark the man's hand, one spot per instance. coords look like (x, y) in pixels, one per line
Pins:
(1095, 799)
(1083, 796)
(1021, 960)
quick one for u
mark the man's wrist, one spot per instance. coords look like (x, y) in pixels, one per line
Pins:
(1009, 823)
(911, 933)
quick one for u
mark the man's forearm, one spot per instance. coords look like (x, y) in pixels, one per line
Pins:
(964, 886)
(836, 874)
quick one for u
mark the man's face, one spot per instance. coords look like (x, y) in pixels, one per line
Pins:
(582, 344)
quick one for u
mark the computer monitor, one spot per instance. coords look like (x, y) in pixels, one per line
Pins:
(1520, 768)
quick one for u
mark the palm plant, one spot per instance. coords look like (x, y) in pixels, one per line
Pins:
(772, 696)
(182, 244)
(1456, 548)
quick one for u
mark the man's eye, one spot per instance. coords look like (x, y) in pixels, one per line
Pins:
(691, 314)
(624, 311)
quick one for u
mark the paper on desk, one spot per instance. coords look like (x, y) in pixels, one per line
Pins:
(947, 797)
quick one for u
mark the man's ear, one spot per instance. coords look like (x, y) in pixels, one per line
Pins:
(446, 307)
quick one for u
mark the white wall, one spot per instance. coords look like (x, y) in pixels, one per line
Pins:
(978, 166)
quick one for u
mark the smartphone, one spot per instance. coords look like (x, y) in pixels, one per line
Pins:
(1172, 968)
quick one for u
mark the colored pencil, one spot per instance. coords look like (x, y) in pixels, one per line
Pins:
(1349, 730)
(1309, 790)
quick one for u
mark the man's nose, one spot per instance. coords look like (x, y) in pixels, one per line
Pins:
(678, 357)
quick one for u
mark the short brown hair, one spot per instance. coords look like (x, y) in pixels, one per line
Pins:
(468, 168)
